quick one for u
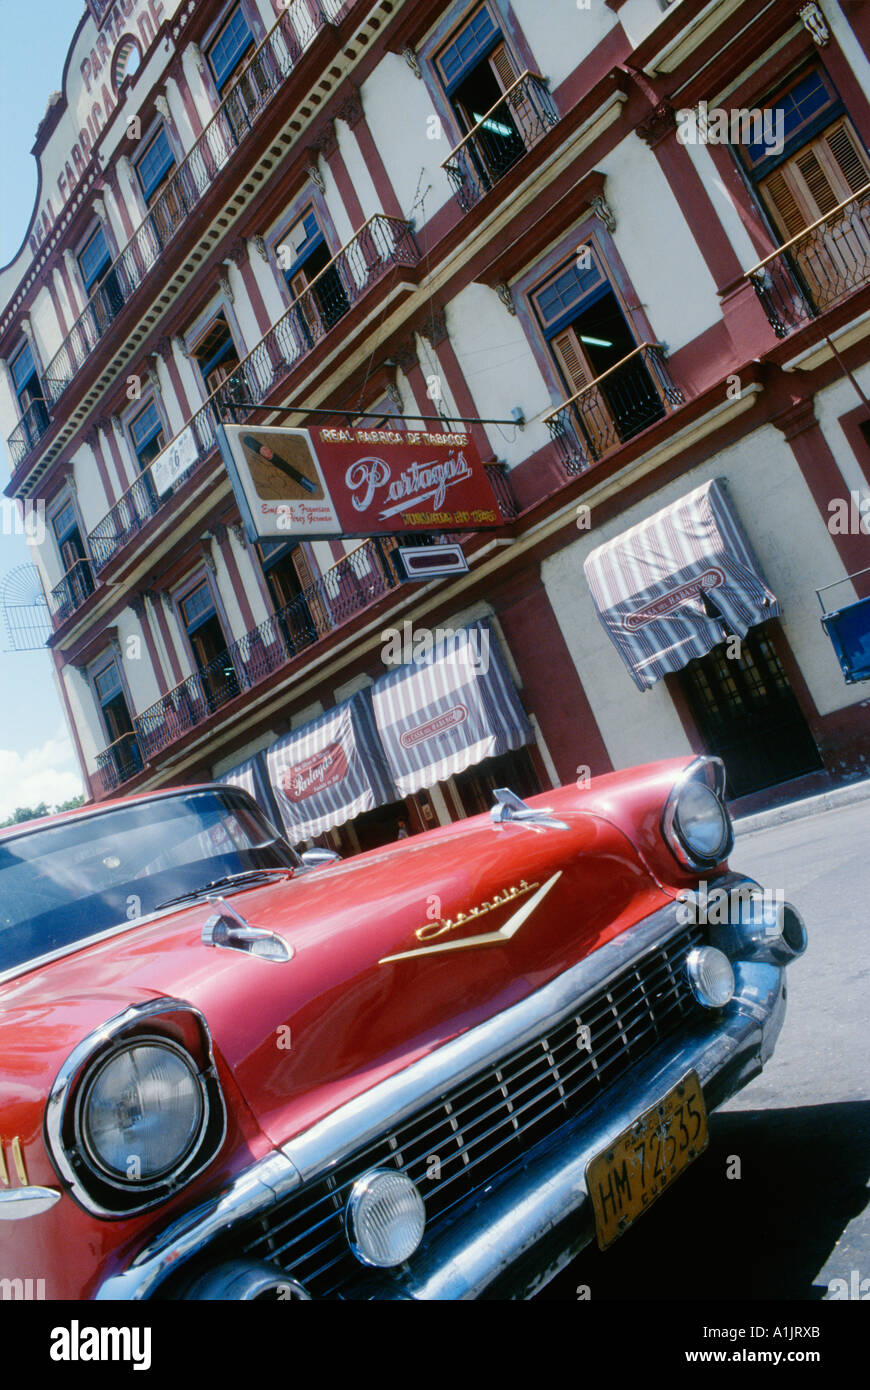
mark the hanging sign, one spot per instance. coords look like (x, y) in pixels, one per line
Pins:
(356, 482)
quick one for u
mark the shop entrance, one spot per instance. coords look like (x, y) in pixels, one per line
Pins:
(748, 715)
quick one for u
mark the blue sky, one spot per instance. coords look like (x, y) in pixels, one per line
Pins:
(36, 758)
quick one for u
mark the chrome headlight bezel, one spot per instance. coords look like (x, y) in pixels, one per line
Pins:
(97, 1190)
(85, 1143)
(710, 772)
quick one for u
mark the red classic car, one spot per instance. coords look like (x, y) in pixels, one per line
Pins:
(432, 1071)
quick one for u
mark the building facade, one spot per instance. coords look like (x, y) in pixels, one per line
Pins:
(639, 231)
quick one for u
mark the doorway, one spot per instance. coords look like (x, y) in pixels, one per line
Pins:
(748, 715)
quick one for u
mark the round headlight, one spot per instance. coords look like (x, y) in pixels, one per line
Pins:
(385, 1219)
(710, 976)
(695, 822)
(141, 1112)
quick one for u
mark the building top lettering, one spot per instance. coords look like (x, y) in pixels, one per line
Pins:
(136, 19)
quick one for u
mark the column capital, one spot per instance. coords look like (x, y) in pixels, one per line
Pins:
(351, 109)
(796, 418)
(434, 327)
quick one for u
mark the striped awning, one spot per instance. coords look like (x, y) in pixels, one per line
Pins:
(674, 586)
(448, 710)
(253, 777)
(330, 770)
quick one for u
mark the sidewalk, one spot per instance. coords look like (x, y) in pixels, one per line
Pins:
(801, 806)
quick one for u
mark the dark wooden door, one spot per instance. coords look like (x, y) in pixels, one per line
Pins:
(748, 715)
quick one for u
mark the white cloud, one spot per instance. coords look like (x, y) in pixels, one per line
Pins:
(48, 773)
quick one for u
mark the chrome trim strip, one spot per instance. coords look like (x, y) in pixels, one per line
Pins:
(259, 1187)
(27, 1201)
(60, 1094)
(700, 765)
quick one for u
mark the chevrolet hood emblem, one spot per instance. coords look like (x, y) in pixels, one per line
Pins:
(493, 938)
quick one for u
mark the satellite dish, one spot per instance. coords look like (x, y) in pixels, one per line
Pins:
(25, 610)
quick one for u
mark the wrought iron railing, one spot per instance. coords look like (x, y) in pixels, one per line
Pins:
(817, 268)
(617, 405)
(153, 488)
(356, 581)
(516, 123)
(500, 482)
(72, 591)
(380, 244)
(383, 242)
(251, 92)
(119, 762)
(33, 424)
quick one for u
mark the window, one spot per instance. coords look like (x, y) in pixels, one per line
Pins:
(94, 259)
(29, 393)
(301, 609)
(73, 557)
(305, 258)
(154, 165)
(809, 158)
(216, 354)
(95, 264)
(477, 68)
(232, 43)
(25, 377)
(146, 432)
(113, 706)
(588, 335)
(218, 679)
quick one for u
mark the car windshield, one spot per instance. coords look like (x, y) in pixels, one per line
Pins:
(66, 882)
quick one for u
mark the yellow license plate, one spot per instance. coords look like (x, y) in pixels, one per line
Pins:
(626, 1178)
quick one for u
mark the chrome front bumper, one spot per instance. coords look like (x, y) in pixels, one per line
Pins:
(513, 1237)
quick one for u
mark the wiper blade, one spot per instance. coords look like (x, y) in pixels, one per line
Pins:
(245, 876)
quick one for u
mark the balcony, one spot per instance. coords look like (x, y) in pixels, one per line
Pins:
(380, 245)
(624, 400)
(500, 139)
(31, 427)
(73, 590)
(119, 762)
(230, 127)
(360, 579)
(817, 268)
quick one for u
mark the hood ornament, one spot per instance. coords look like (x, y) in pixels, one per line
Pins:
(510, 808)
(500, 937)
(226, 928)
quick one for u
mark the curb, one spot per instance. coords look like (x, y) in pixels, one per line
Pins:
(833, 800)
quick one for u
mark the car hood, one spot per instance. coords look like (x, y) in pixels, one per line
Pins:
(301, 1037)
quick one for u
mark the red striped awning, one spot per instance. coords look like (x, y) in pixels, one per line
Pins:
(673, 587)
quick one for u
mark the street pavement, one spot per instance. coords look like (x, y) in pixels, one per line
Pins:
(799, 1215)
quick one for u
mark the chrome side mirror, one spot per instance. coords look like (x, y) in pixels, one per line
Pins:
(316, 858)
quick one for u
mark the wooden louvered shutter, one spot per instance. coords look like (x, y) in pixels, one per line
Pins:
(822, 194)
(787, 213)
(302, 566)
(503, 66)
(849, 158)
(572, 360)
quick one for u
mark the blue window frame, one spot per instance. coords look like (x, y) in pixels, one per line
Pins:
(94, 259)
(144, 429)
(304, 237)
(198, 607)
(801, 106)
(64, 522)
(228, 49)
(154, 164)
(107, 684)
(472, 43)
(24, 373)
(560, 299)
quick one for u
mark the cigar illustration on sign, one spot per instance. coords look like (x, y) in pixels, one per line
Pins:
(271, 472)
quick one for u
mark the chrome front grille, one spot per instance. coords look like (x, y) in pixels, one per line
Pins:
(456, 1145)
